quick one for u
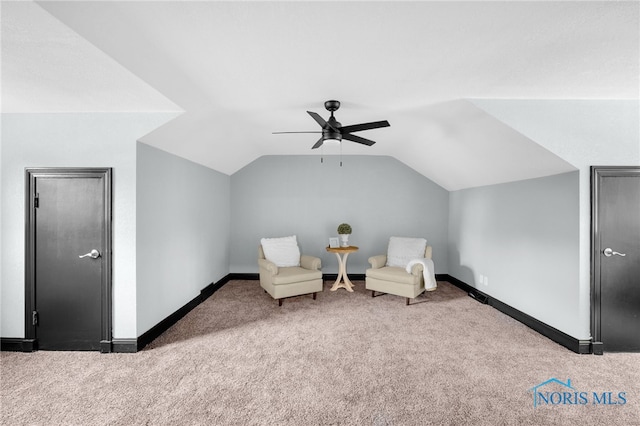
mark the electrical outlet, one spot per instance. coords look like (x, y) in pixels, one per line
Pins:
(486, 281)
(481, 279)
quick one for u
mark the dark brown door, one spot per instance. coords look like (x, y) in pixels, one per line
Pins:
(616, 253)
(70, 245)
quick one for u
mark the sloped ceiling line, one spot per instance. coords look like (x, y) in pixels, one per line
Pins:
(241, 70)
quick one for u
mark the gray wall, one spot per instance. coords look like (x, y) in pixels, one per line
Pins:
(585, 133)
(523, 236)
(379, 196)
(71, 140)
(183, 216)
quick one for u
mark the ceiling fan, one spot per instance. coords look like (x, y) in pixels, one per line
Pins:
(332, 130)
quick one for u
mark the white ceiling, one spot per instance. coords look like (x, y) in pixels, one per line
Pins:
(241, 70)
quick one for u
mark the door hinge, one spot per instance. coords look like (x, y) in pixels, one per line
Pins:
(36, 201)
(34, 318)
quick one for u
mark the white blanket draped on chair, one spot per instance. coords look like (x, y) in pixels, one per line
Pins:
(428, 272)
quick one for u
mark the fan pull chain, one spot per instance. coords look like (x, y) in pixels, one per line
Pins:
(340, 153)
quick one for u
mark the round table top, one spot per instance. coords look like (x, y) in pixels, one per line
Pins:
(348, 249)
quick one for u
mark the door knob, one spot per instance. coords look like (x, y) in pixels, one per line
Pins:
(94, 254)
(609, 252)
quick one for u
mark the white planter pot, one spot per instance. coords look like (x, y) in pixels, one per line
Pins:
(344, 240)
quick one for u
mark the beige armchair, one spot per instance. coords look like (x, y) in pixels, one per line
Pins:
(283, 282)
(395, 279)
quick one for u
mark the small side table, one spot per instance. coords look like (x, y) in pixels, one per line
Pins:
(342, 262)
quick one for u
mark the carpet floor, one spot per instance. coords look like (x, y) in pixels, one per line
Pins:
(343, 359)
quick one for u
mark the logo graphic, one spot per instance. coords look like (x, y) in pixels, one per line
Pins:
(568, 395)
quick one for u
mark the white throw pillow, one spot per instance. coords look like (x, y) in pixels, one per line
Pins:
(401, 250)
(282, 251)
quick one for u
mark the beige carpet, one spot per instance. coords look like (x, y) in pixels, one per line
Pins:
(345, 358)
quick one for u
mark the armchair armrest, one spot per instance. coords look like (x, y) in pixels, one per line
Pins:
(417, 269)
(310, 262)
(268, 265)
(378, 261)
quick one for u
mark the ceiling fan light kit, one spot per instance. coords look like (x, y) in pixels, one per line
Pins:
(332, 129)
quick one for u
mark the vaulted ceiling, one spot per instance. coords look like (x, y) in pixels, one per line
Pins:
(237, 71)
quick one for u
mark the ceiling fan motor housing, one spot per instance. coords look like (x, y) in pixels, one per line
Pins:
(332, 105)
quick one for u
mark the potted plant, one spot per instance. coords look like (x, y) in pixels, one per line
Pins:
(344, 230)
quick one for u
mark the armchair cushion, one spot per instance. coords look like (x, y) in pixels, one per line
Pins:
(295, 274)
(283, 252)
(394, 274)
(402, 250)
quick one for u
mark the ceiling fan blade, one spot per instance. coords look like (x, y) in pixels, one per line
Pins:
(321, 121)
(280, 133)
(318, 144)
(354, 138)
(365, 126)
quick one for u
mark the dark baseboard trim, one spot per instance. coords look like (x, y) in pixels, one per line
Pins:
(326, 277)
(362, 277)
(552, 333)
(471, 291)
(585, 347)
(155, 331)
(128, 345)
(352, 277)
(17, 344)
(240, 276)
(208, 291)
(124, 346)
(442, 277)
(135, 345)
(569, 342)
